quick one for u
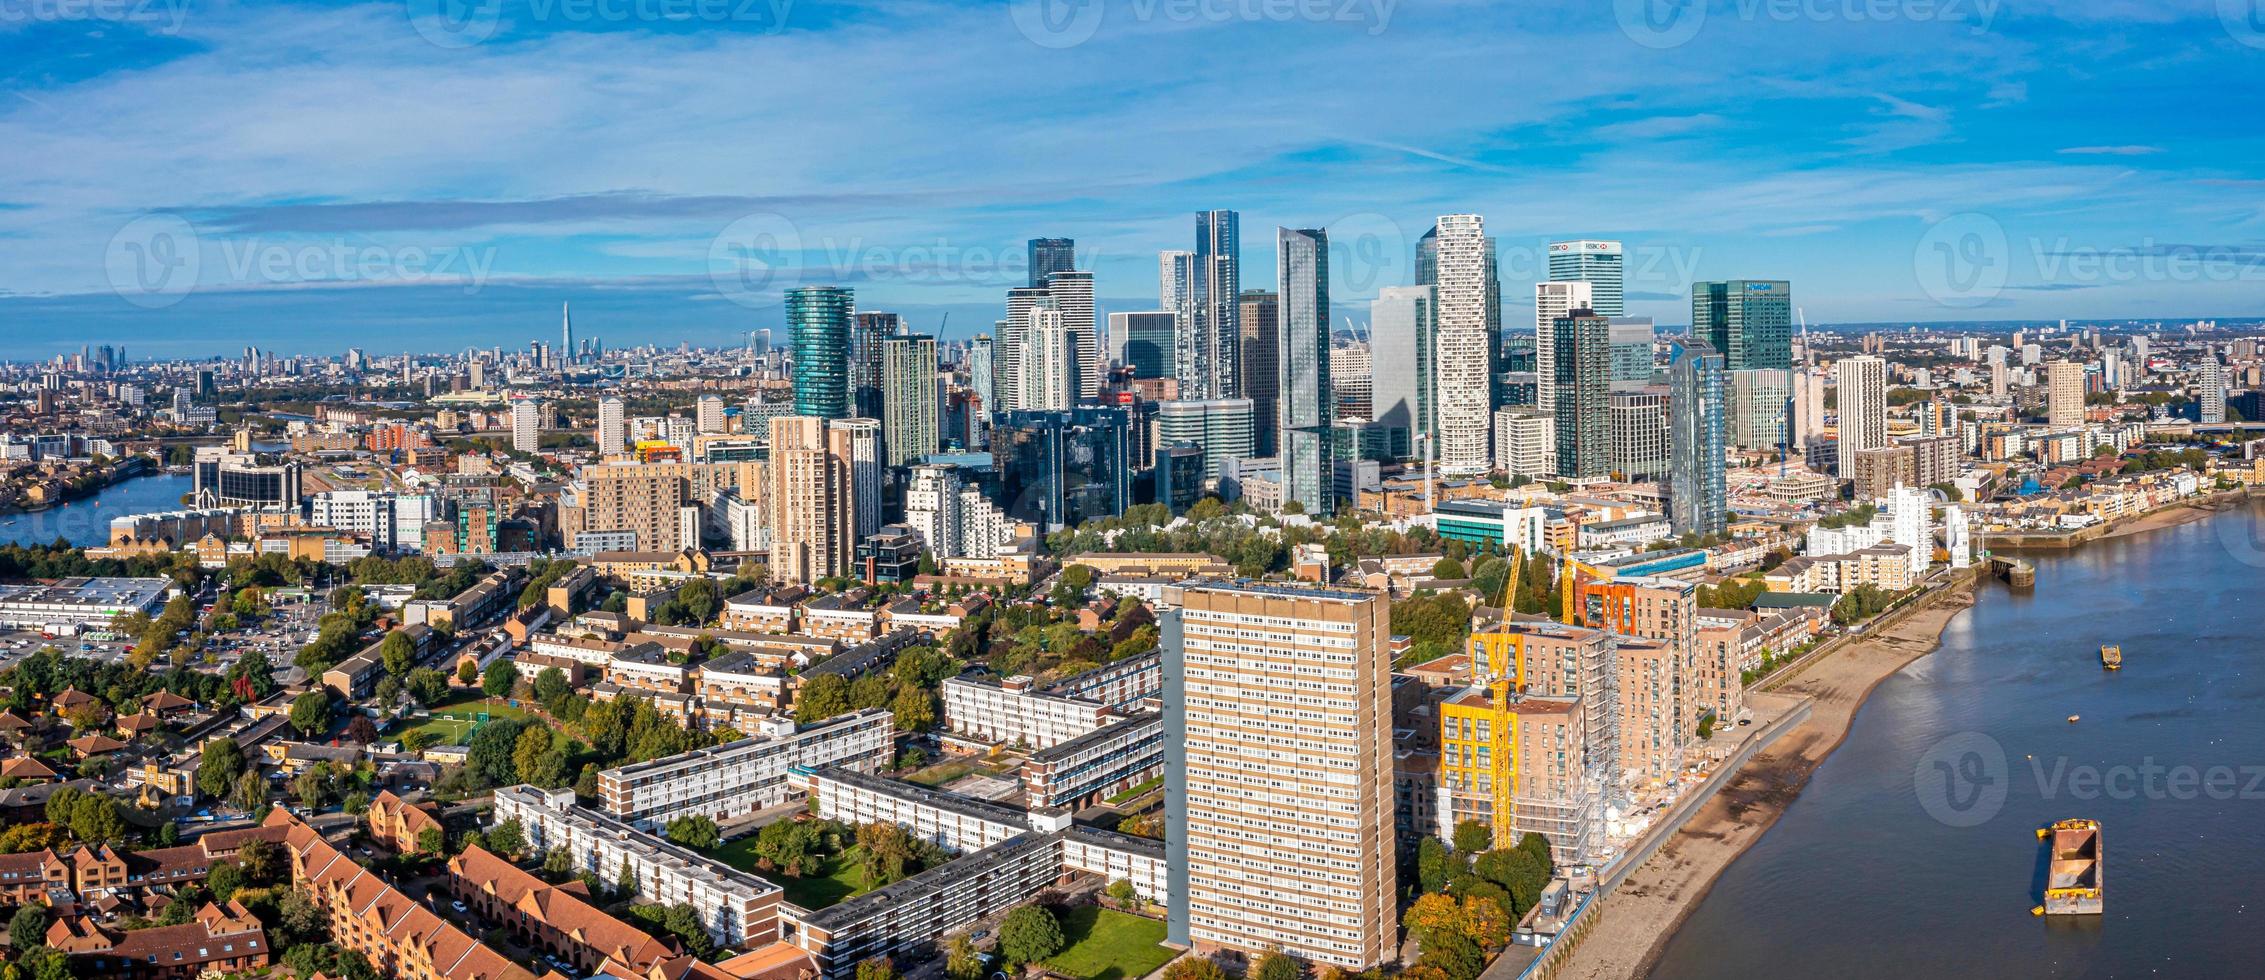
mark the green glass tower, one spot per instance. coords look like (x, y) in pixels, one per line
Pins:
(817, 320)
(1748, 321)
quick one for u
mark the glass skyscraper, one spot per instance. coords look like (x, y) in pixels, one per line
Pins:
(1049, 256)
(1748, 321)
(1213, 368)
(1147, 341)
(1062, 468)
(1402, 342)
(1583, 376)
(1597, 263)
(818, 319)
(1305, 402)
(1699, 498)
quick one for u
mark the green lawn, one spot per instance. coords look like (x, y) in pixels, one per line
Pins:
(1105, 944)
(838, 881)
(454, 721)
(938, 775)
(1137, 791)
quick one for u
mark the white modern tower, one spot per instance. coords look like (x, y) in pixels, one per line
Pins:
(1463, 345)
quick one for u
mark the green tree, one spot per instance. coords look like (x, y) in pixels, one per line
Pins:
(431, 842)
(1121, 891)
(428, 686)
(961, 961)
(821, 697)
(489, 754)
(914, 710)
(398, 653)
(310, 714)
(1278, 965)
(501, 677)
(1448, 568)
(467, 672)
(876, 968)
(28, 928)
(697, 831)
(218, 766)
(551, 685)
(508, 838)
(1472, 837)
(1029, 934)
(1433, 865)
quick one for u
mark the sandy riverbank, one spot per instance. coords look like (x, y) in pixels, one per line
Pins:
(1636, 919)
(2174, 516)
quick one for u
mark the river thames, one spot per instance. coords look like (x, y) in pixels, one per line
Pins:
(1912, 852)
(87, 522)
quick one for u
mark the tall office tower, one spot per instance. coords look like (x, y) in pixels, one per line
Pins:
(1699, 494)
(1748, 321)
(708, 413)
(1638, 430)
(1760, 408)
(565, 333)
(1862, 383)
(1214, 367)
(1049, 256)
(1278, 773)
(909, 429)
(1427, 274)
(1259, 354)
(1597, 263)
(1175, 291)
(613, 430)
(1046, 369)
(1582, 342)
(526, 425)
(1072, 292)
(1305, 412)
(1145, 342)
(982, 370)
(867, 331)
(813, 513)
(1402, 338)
(2064, 394)
(1553, 300)
(1631, 351)
(1221, 426)
(1061, 468)
(759, 343)
(817, 320)
(862, 452)
(2209, 390)
(1464, 383)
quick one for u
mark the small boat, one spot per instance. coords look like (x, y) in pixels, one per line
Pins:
(2111, 657)
(2072, 719)
(2073, 883)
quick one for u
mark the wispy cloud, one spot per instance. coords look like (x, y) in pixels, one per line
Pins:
(2125, 150)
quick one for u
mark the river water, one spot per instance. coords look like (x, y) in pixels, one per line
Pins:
(87, 521)
(1912, 851)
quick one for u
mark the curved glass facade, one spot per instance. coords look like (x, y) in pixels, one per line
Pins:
(817, 320)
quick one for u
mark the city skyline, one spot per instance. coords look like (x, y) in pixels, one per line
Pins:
(1842, 161)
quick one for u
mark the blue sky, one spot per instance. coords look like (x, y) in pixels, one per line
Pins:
(186, 177)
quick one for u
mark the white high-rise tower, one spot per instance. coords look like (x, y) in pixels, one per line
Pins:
(1461, 365)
